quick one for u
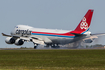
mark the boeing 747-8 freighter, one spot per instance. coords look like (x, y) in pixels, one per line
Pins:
(51, 37)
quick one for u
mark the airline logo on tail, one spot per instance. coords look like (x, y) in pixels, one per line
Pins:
(84, 24)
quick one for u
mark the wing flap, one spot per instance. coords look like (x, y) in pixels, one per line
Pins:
(38, 41)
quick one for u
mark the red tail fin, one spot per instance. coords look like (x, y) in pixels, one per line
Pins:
(85, 23)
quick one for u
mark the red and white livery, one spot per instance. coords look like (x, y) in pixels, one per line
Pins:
(51, 37)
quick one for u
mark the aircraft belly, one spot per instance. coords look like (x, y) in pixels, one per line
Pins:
(60, 40)
(55, 40)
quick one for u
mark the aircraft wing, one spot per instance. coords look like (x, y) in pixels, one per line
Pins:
(36, 40)
(41, 40)
(92, 37)
(6, 35)
(10, 35)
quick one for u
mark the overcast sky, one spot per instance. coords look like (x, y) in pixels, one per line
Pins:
(53, 14)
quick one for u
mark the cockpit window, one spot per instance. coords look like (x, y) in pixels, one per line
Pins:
(16, 26)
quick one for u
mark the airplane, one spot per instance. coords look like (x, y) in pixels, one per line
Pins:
(53, 37)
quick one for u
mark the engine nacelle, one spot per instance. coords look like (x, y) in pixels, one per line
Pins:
(88, 41)
(19, 42)
(10, 40)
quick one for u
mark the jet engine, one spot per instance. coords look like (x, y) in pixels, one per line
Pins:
(10, 40)
(19, 42)
(88, 41)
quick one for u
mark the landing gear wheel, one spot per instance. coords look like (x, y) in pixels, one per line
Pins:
(55, 46)
(35, 47)
(47, 45)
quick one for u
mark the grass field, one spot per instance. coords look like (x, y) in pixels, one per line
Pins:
(52, 59)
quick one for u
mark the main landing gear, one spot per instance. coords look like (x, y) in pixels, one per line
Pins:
(55, 46)
(52, 45)
(48, 46)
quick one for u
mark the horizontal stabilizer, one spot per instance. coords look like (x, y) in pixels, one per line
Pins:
(98, 34)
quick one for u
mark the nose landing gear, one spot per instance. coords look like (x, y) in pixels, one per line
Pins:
(35, 46)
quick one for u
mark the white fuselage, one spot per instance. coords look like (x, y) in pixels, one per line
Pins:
(24, 30)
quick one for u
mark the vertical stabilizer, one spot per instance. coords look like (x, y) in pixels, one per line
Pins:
(84, 23)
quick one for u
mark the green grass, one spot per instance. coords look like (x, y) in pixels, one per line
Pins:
(52, 59)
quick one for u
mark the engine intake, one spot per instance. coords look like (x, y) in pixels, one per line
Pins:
(19, 42)
(88, 41)
(10, 40)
